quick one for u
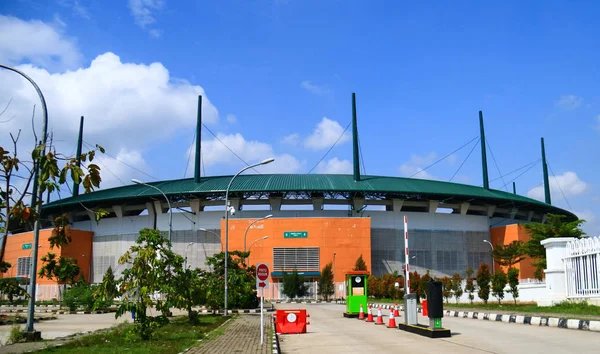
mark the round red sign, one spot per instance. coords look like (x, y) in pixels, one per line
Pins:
(262, 272)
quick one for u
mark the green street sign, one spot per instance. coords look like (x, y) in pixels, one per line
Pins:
(295, 234)
(26, 246)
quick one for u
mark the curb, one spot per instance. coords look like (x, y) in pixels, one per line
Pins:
(311, 302)
(583, 325)
(275, 349)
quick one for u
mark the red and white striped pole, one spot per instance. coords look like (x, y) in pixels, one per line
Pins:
(406, 278)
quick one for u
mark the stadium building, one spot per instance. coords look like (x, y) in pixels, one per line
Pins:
(450, 225)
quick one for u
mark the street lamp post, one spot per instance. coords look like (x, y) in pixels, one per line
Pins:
(168, 204)
(248, 228)
(36, 196)
(185, 254)
(253, 242)
(492, 246)
(269, 160)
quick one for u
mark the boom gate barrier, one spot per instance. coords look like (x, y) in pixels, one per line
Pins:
(291, 321)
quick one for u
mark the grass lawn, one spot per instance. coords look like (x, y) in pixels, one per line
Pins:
(171, 338)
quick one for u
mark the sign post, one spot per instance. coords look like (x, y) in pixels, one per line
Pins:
(262, 282)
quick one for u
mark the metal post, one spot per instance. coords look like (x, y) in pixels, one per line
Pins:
(546, 182)
(514, 188)
(36, 195)
(355, 150)
(252, 223)
(262, 320)
(78, 156)
(168, 204)
(486, 183)
(198, 142)
(227, 224)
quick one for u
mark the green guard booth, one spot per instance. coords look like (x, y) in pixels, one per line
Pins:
(356, 293)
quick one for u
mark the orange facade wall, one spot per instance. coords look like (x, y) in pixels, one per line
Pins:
(347, 237)
(80, 249)
(506, 234)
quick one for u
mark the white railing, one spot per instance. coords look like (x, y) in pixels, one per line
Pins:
(582, 262)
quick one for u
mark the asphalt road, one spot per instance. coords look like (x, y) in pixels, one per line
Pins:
(330, 332)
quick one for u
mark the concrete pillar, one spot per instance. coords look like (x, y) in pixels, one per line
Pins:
(530, 215)
(464, 207)
(235, 203)
(397, 205)
(433, 205)
(317, 203)
(556, 249)
(158, 207)
(275, 203)
(491, 210)
(118, 209)
(196, 206)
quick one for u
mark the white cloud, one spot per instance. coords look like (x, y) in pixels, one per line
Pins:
(316, 89)
(142, 14)
(77, 8)
(292, 139)
(121, 169)
(414, 167)
(38, 43)
(568, 182)
(569, 102)
(231, 118)
(326, 134)
(215, 153)
(335, 166)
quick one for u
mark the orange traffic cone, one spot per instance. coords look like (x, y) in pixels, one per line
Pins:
(379, 317)
(392, 321)
(396, 313)
(369, 315)
(361, 314)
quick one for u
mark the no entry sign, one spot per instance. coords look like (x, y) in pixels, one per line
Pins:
(262, 276)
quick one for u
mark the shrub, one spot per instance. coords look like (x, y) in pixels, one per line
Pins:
(457, 286)
(499, 281)
(470, 286)
(79, 295)
(446, 288)
(513, 282)
(17, 334)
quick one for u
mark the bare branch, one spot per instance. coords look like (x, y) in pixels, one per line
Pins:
(8, 120)
(7, 105)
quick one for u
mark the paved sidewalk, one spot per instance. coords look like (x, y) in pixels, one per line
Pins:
(239, 335)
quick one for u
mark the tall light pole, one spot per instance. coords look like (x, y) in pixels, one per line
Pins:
(248, 228)
(137, 181)
(492, 246)
(253, 242)
(36, 195)
(185, 254)
(269, 160)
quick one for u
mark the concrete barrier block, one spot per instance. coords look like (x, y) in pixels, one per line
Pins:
(506, 318)
(573, 324)
(520, 319)
(553, 322)
(594, 326)
(536, 321)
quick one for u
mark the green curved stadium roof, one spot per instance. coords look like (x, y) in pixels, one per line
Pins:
(383, 187)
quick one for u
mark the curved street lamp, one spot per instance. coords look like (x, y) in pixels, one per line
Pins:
(492, 246)
(248, 228)
(36, 195)
(264, 162)
(137, 181)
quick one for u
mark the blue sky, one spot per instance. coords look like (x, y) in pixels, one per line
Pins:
(278, 78)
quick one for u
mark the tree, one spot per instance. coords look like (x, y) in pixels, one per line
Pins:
(241, 281)
(470, 286)
(326, 287)
(14, 210)
(373, 286)
(414, 283)
(189, 291)
(457, 286)
(152, 263)
(293, 285)
(11, 288)
(422, 293)
(63, 270)
(513, 283)
(483, 282)
(509, 255)
(499, 281)
(105, 293)
(360, 264)
(555, 226)
(446, 288)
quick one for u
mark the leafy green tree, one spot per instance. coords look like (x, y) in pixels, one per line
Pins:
(325, 284)
(555, 226)
(446, 288)
(360, 264)
(469, 285)
(189, 291)
(509, 255)
(422, 292)
(499, 281)
(105, 293)
(386, 286)
(63, 270)
(11, 288)
(152, 263)
(241, 281)
(483, 282)
(79, 295)
(513, 283)
(293, 285)
(457, 286)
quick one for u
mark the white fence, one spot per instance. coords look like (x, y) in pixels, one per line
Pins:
(581, 268)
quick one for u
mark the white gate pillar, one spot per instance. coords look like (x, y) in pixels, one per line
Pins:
(556, 291)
